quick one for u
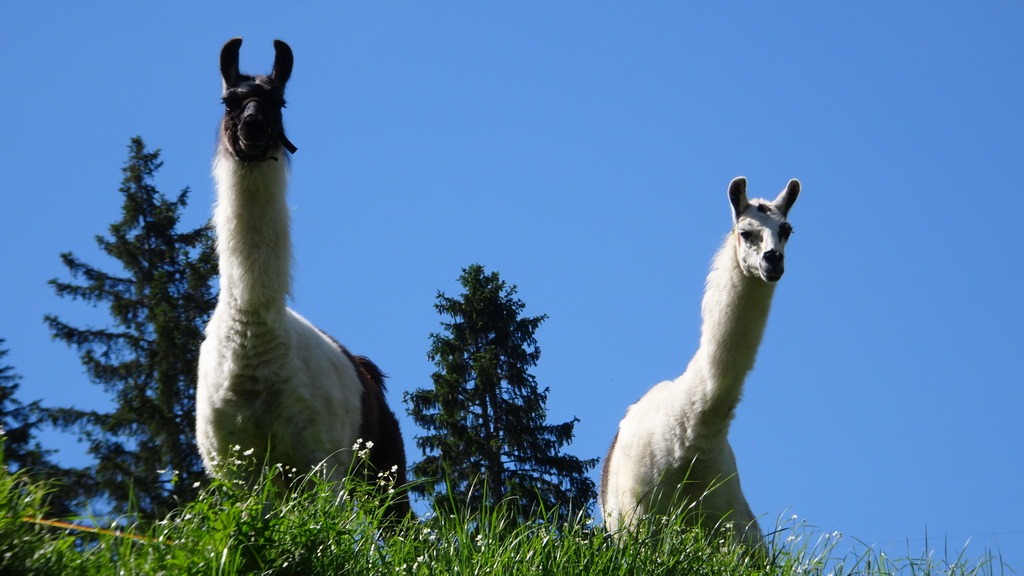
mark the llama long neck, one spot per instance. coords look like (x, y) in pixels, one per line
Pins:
(253, 236)
(734, 311)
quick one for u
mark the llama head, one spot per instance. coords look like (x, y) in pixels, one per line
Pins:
(761, 230)
(253, 127)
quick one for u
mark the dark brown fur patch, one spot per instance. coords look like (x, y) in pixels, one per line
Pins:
(379, 425)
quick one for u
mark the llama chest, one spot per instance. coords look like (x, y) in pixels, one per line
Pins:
(284, 389)
(665, 436)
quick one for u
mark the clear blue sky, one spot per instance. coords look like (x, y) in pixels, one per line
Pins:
(583, 151)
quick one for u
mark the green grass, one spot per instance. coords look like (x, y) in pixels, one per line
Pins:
(232, 530)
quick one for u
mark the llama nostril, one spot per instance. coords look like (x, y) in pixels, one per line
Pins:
(252, 122)
(252, 113)
(773, 257)
(253, 129)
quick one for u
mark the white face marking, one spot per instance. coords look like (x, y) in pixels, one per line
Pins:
(761, 235)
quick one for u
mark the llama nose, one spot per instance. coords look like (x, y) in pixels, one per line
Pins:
(254, 126)
(773, 258)
(251, 110)
(252, 114)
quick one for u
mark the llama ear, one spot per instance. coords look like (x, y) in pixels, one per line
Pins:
(283, 60)
(738, 197)
(229, 62)
(788, 197)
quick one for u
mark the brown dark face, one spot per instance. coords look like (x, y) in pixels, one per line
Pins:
(253, 125)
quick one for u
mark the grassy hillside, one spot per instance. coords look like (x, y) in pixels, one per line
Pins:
(231, 530)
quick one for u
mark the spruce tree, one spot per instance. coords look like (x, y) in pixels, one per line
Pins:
(22, 452)
(144, 448)
(19, 423)
(488, 439)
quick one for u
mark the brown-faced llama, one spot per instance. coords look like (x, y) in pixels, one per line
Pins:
(269, 381)
(672, 450)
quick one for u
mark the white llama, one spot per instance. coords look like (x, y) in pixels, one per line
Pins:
(671, 449)
(269, 381)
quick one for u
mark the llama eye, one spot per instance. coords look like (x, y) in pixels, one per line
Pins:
(747, 235)
(231, 101)
(785, 230)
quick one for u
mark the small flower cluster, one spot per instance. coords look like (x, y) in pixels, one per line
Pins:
(362, 453)
(385, 478)
(811, 558)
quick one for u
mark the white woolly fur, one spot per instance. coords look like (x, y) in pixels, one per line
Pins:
(267, 377)
(672, 447)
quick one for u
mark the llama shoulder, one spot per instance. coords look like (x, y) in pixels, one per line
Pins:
(645, 421)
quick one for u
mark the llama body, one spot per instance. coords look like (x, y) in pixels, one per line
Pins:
(269, 381)
(672, 447)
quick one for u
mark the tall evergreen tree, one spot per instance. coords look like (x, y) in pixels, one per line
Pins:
(487, 437)
(19, 423)
(22, 452)
(144, 448)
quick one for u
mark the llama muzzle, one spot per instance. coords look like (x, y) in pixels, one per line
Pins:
(253, 132)
(772, 266)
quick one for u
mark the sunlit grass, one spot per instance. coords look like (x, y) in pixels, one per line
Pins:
(320, 528)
